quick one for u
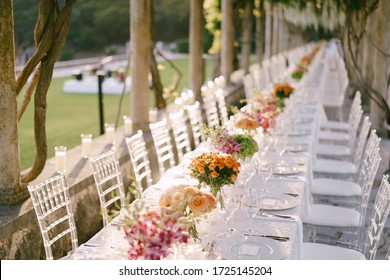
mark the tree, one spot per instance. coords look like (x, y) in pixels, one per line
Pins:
(49, 35)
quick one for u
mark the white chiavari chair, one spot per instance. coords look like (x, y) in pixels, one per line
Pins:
(53, 208)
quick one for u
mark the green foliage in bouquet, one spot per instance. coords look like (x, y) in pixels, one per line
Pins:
(248, 146)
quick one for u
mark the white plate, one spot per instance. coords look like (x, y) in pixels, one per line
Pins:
(285, 169)
(296, 148)
(239, 247)
(277, 202)
(299, 132)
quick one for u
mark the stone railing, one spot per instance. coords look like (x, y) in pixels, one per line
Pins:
(20, 237)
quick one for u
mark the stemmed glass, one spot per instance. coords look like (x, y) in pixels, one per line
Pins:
(250, 205)
(264, 169)
(247, 168)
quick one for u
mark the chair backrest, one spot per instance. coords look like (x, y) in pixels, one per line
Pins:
(249, 85)
(352, 136)
(139, 160)
(195, 115)
(366, 177)
(210, 107)
(180, 134)
(162, 145)
(358, 145)
(52, 204)
(377, 219)
(108, 181)
(222, 108)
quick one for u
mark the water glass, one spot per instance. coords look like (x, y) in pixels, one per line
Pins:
(264, 169)
(86, 145)
(250, 205)
(60, 156)
(128, 124)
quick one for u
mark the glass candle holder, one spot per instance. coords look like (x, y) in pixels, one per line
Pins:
(60, 155)
(128, 124)
(110, 133)
(86, 145)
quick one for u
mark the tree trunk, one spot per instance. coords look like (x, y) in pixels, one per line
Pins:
(246, 36)
(141, 39)
(196, 67)
(268, 30)
(227, 40)
(381, 62)
(275, 28)
(367, 53)
(260, 31)
(11, 190)
(160, 102)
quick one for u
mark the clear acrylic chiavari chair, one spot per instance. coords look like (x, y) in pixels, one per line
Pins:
(53, 208)
(180, 133)
(136, 147)
(163, 145)
(108, 181)
(369, 238)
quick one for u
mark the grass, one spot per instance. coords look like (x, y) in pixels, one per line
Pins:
(69, 115)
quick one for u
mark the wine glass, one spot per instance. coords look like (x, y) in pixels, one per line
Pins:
(264, 169)
(250, 205)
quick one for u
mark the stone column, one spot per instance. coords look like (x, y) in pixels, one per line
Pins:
(196, 69)
(227, 40)
(11, 190)
(141, 40)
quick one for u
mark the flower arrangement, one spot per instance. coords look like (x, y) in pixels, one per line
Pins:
(190, 202)
(151, 233)
(238, 145)
(214, 170)
(282, 90)
(246, 122)
(263, 108)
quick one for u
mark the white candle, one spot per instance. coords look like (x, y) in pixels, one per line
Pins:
(60, 155)
(110, 132)
(86, 145)
(128, 123)
(153, 115)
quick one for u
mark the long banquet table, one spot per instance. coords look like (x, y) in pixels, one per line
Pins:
(110, 242)
(276, 220)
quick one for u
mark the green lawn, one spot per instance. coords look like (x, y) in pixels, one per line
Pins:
(69, 115)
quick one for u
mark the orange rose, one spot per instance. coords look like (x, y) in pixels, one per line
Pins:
(201, 169)
(177, 198)
(233, 177)
(164, 201)
(191, 191)
(198, 204)
(214, 174)
(211, 200)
